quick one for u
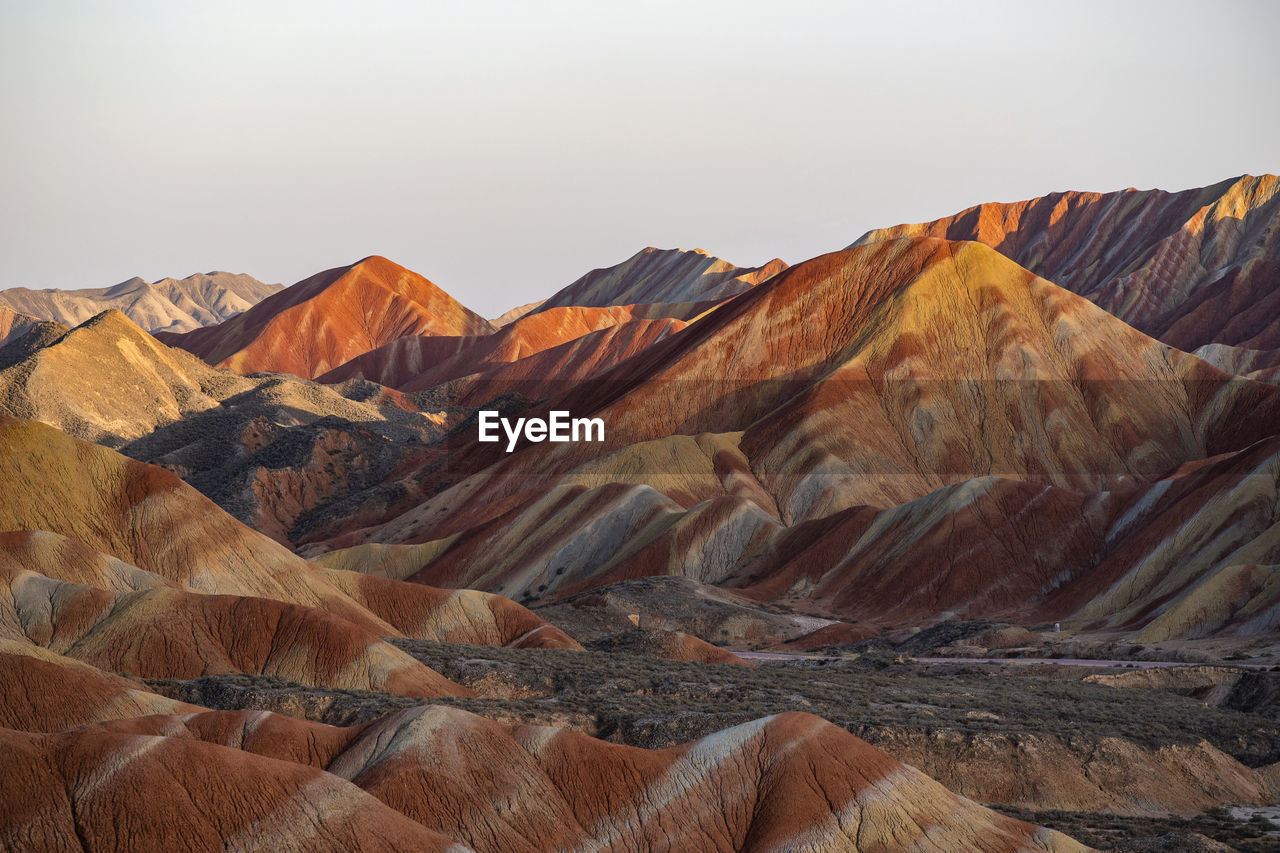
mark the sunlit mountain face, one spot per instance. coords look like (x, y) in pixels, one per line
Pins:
(963, 537)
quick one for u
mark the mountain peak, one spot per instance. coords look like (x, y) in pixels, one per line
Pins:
(330, 318)
(659, 275)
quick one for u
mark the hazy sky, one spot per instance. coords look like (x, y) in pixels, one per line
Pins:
(502, 149)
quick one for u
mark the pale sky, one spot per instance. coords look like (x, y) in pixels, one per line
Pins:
(502, 149)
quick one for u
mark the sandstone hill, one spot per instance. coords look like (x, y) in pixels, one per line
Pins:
(329, 319)
(425, 778)
(113, 534)
(1190, 268)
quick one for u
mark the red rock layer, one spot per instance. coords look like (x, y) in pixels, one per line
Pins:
(451, 615)
(420, 362)
(329, 319)
(791, 782)
(115, 791)
(1190, 268)
(170, 633)
(42, 691)
(899, 413)
(552, 372)
(122, 526)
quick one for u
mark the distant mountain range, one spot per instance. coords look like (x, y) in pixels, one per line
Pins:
(167, 305)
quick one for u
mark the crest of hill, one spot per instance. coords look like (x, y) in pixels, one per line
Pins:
(267, 448)
(516, 313)
(109, 381)
(330, 318)
(420, 362)
(547, 374)
(14, 324)
(673, 276)
(167, 305)
(1190, 268)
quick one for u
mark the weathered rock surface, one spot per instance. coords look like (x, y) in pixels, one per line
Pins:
(14, 324)
(43, 691)
(163, 632)
(114, 791)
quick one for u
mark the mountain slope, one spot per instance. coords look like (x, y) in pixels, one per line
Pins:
(673, 276)
(269, 449)
(155, 534)
(915, 391)
(14, 325)
(420, 362)
(329, 319)
(792, 782)
(167, 305)
(1190, 268)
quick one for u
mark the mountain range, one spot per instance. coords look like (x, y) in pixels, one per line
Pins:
(831, 580)
(167, 305)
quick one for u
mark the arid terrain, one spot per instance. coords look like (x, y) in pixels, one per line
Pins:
(963, 537)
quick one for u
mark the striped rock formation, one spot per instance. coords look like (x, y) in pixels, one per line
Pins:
(421, 776)
(855, 408)
(553, 371)
(419, 362)
(163, 632)
(1190, 268)
(167, 305)
(42, 691)
(330, 318)
(115, 791)
(272, 449)
(674, 276)
(126, 533)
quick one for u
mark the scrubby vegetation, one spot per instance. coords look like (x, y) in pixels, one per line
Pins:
(654, 702)
(1142, 834)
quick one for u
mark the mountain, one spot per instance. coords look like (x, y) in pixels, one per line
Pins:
(418, 363)
(692, 279)
(14, 325)
(329, 319)
(547, 373)
(269, 449)
(426, 777)
(108, 381)
(516, 313)
(120, 533)
(863, 397)
(1190, 268)
(167, 305)
(653, 284)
